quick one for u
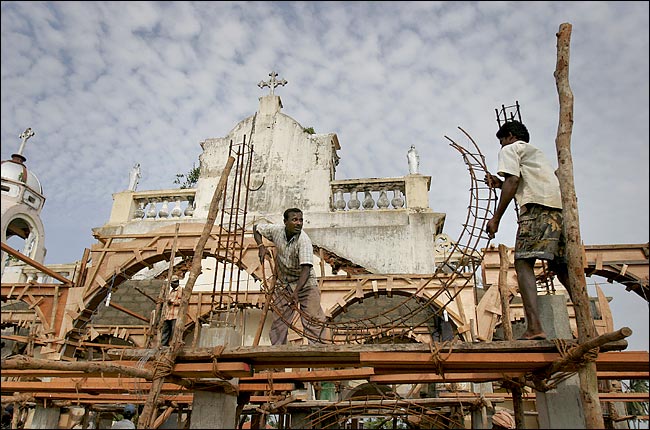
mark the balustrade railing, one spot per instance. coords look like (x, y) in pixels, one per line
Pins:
(164, 204)
(368, 194)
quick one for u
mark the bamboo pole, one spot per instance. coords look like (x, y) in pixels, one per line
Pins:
(169, 356)
(577, 281)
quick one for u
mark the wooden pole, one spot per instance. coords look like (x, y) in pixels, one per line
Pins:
(506, 324)
(576, 353)
(156, 324)
(169, 356)
(504, 292)
(518, 406)
(577, 281)
(270, 286)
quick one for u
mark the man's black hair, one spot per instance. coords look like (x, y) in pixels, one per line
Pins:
(516, 128)
(291, 210)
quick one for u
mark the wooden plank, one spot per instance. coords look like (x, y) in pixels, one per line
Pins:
(85, 385)
(610, 361)
(476, 361)
(202, 370)
(248, 387)
(315, 375)
(110, 398)
(185, 370)
(605, 310)
(317, 354)
(428, 378)
(612, 397)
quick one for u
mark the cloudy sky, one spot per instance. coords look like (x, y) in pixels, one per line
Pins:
(105, 85)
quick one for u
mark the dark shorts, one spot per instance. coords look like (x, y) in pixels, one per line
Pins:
(540, 234)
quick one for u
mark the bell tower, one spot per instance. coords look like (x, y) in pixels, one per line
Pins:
(22, 202)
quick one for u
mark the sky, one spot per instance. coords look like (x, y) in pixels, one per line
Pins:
(106, 85)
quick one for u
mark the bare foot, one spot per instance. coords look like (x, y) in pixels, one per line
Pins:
(533, 336)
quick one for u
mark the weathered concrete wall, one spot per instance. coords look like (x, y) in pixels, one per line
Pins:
(382, 241)
(127, 296)
(293, 167)
(295, 170)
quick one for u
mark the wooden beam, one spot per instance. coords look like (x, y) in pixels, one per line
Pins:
(112, 398)
(112, 369)
(314, 375)
(35, 264)
(128, 312)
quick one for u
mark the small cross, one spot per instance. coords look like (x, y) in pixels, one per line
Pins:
(24, 136)
(272, 83)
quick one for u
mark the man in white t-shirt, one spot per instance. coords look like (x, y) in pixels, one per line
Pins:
(531, 181)
(296, 280)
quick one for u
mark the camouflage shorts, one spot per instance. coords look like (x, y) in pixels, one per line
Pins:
(540, 234)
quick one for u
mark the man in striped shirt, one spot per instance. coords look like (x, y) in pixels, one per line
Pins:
(296, 280)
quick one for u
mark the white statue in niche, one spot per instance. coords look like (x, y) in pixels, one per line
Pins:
(29, 244)
(414, 160)
(134, 177)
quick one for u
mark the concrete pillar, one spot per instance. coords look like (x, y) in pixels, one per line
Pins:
(44, 418)
(123, 208)
(299, 419)
(480, 415)
(560, 408)
(554, 315)
(417, 191)
(216, 409)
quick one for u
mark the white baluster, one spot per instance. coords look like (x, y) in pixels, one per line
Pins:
(139, 212)
(398, 201)
(164, 210)
(382, 202)
(354, 202)
(153, 210)
(339, 201)
(368, 201)
(189, 210)
(177, 212)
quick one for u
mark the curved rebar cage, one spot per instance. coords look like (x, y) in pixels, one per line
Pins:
(400, 316)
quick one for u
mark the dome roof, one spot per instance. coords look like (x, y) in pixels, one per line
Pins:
(16, 171)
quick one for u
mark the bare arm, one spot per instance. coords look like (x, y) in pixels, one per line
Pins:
(302, 280)
(508, 190)
(258, 239)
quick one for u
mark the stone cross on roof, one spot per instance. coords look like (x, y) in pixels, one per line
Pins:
(272, 83)
(24, 136)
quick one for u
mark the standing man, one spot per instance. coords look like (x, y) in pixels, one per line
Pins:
(296, 279)
(171, 311)
(531, 181)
